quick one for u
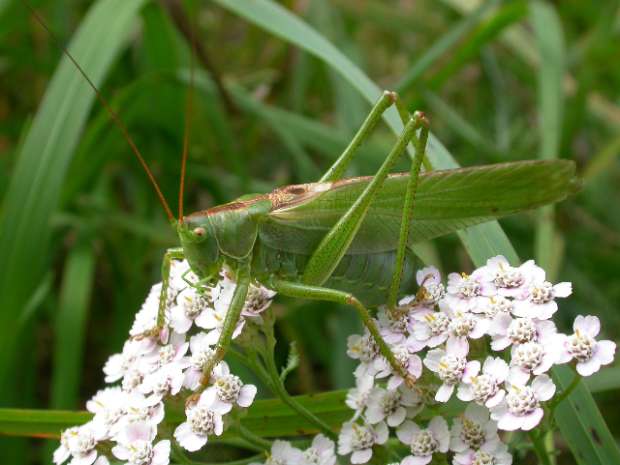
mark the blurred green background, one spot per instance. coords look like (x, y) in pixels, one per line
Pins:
(83, 234)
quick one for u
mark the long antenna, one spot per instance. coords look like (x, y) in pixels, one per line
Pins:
(108, 108)
(188, 114)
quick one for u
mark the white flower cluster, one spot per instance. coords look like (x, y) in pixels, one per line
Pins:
(158, 365)
(444, 328)
(322, 451)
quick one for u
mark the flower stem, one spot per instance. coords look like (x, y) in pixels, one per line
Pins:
(565, 393)
(279, 389)
(253, 439)
(277, 386)
(539, 446)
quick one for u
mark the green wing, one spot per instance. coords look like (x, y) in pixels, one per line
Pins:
(446, 201)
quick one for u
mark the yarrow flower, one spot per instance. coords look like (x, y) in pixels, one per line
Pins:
(484, 388)
(392, 406)
(202, 422)
(521, 408)
(440, 336)
(581, 346)
(451, 367)
(136, 446)
(79, 443)
(423, 443)
(358, 440)
(473, 430)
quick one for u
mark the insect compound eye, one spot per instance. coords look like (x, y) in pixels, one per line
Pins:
(199, 231)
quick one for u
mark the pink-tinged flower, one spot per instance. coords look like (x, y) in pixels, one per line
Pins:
(190, 304)
(508, 280)
(135, 446)
(180, 277)
(140, 409)
(405, 354)
(358, 440)
(488, 454)
(283, 453)
(484, 388)
(473, 430)
(464, 325)
(357, 397)
(118, 365)
(582, 346)
(466, 292)
(108, 405)
(230, 390)
(146, 318)
(537, 298)
(365, 349)
(322, 451)
(431, 289)
(258, 300)
(392, 406)
(168, 380)
(505, 331)
(162, 356)
(80, 443)
(430, 327)
(521, 407)
(451, 366)
(393, 325)
(424, 442)
(213, 320)
(201, 423)
(201, 348)
(493, 306)
(536, 357)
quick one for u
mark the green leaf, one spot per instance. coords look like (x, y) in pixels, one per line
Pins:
(481, 242)
(443, 46)
(582, 425)
(266, 417)
(38, 176)
(550, 43)
(292, 361)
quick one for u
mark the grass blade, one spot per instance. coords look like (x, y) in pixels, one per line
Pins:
(38, 176)
(439, 48)
(550, 42)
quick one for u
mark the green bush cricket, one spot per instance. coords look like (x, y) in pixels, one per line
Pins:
(347, 240)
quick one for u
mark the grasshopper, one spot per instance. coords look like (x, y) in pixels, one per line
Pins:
(346, 240)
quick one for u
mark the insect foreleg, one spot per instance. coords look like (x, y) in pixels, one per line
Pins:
(171, 254)
(336, 171)
(412, 185)
(231, 320)
(304, 291)
(335, 243)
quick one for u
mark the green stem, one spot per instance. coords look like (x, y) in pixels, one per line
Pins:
(539, 447)
(565, 393)
(549, 442)
(279, 389)
(277, 386)
(253, 439)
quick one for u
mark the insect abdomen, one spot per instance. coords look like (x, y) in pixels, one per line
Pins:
(367, 276)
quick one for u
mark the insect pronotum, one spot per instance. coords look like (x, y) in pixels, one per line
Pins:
(346, 240)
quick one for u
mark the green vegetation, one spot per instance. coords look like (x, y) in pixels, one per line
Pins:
(280, 88)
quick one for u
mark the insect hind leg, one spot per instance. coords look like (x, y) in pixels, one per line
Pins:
(336, 171)
(304, 291)
(407, 216)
